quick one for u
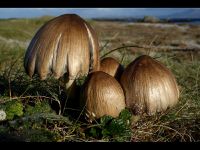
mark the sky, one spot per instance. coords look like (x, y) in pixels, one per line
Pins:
(90, 12)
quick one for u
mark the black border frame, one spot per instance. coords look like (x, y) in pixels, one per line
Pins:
(100, 3)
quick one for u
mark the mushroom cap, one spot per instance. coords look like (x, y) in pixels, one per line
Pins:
(64, 45)
(149, 86)
(112, 67)
(102, 95)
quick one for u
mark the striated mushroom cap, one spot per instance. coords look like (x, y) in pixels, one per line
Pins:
(149, 86)
(64, 45)
(112, 67)
(102, 95)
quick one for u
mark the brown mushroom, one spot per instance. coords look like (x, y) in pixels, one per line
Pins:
(102, 95)
(112, 67)
(64, 46)
(149, 86)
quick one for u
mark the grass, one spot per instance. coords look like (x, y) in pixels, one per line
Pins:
(36, 103)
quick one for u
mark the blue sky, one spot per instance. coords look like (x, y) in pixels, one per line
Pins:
(90, 12)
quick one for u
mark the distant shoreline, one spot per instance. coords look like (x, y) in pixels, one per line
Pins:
(128, 20)
(162, 20)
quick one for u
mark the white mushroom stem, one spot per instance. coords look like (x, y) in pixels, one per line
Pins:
(69, 84)
(70, 87)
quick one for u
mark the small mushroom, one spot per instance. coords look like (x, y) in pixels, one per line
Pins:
(112, 67)
(65, 46)
(102, 95)
(149, 86)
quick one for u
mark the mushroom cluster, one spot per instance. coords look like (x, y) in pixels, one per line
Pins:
(67, 47)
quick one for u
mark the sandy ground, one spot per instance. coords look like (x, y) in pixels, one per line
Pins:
(165, 35)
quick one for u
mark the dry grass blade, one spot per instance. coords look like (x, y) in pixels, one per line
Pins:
(152, 41)
(102, 48)
(163, 126)
(152, 47)
(55, 98)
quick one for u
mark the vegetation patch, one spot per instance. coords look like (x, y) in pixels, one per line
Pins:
(34, 109)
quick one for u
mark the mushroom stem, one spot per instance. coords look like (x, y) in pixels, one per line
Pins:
(69, 84)
(70, 87)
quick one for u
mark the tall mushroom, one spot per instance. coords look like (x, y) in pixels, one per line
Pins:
(102, 95)
(65, 46)
(112, 67)
(149, 86)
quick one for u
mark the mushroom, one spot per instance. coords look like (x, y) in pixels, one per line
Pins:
(149, 86)
(102, 95)
(112, 67)
(65, 46)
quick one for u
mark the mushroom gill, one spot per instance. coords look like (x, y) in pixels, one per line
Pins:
(149, 86)
(64, 46)
(102, 95)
